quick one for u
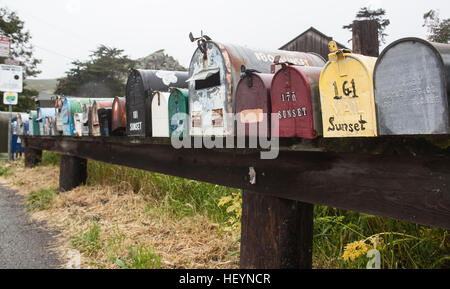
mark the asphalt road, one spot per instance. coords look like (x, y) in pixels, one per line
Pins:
(23, 244)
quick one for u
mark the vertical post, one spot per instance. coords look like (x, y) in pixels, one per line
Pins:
(33, 157)
(276, 233)
(73, 172)
(365, 38)
(9, 133)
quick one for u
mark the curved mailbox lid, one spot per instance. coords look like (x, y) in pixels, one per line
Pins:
(296, 101)
(95, 125)
(141, 86)
(253, 104)
(412, 84)
(212, 99)
(347, 98)
(179, 112)
(118, 117)
(160, 114)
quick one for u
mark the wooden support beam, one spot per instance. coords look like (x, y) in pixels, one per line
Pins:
(276, 233)
(413, 188)
(73, 172)
(33, 157)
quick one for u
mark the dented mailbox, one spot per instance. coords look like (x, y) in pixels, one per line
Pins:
(412, 88)
(347, 97)
(296, 101)
(118, 117)
(253, 104)
(95, 124)
(141, 88)
(178, 112)
(214, 74)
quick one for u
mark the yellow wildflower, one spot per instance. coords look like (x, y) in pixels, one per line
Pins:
(354, 250)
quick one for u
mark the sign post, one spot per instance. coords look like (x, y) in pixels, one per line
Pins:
(11, 82)
(10, 98)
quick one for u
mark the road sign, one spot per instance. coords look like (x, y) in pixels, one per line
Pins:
(11, 78)
(4, 46)
(10, 98)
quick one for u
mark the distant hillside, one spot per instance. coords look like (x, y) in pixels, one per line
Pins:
(159, 61)
(42, 85)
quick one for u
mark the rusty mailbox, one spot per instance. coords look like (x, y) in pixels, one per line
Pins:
(412, 88)
(214, 73)
(253, 104)
(347, 98)
(95, 123)
(296, 101)
(141, 87)
(119, 117)
(178, 112)
(58, 114)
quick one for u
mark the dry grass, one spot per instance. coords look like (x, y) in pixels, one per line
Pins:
(126, 220)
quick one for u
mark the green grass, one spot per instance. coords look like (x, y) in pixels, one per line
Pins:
(50, 158)
(5, 172)
(140, 258)
(88, 242)
(41, 200)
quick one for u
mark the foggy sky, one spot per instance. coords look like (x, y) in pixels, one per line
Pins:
(67, 30)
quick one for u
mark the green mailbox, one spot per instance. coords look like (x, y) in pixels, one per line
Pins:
(179, 112)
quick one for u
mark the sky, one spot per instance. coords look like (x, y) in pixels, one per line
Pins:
(68, 30)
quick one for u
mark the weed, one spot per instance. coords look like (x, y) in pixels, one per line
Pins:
(140, 258)
(40, 200)
(50, 158)
(89, 241)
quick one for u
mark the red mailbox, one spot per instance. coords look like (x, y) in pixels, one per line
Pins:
(253, 104)
(296, 100)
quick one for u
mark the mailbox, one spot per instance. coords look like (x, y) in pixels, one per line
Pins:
(179, 112)
(160, 114)
(46, 119)
(253, 104)
(412, 88)
(141, 88)
(95, 124)
(104, 119)
(296, 102)
(58, 114)
(347, 97)
(119, 117)
(214, 73)
(86, 119)
(34, 123)
(70, 107)
(78, 124)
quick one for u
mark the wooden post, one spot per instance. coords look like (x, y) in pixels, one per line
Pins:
(365, 38)
(276, 233)
(73, 172)
(33, 157)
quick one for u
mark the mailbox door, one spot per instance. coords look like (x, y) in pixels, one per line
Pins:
(78, 124)
(160, 114)
(178, 113)
(346, 89)
(411, 88)
(292, 102)
(253, 105)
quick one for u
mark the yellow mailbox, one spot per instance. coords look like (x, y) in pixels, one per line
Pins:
(346, 94)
